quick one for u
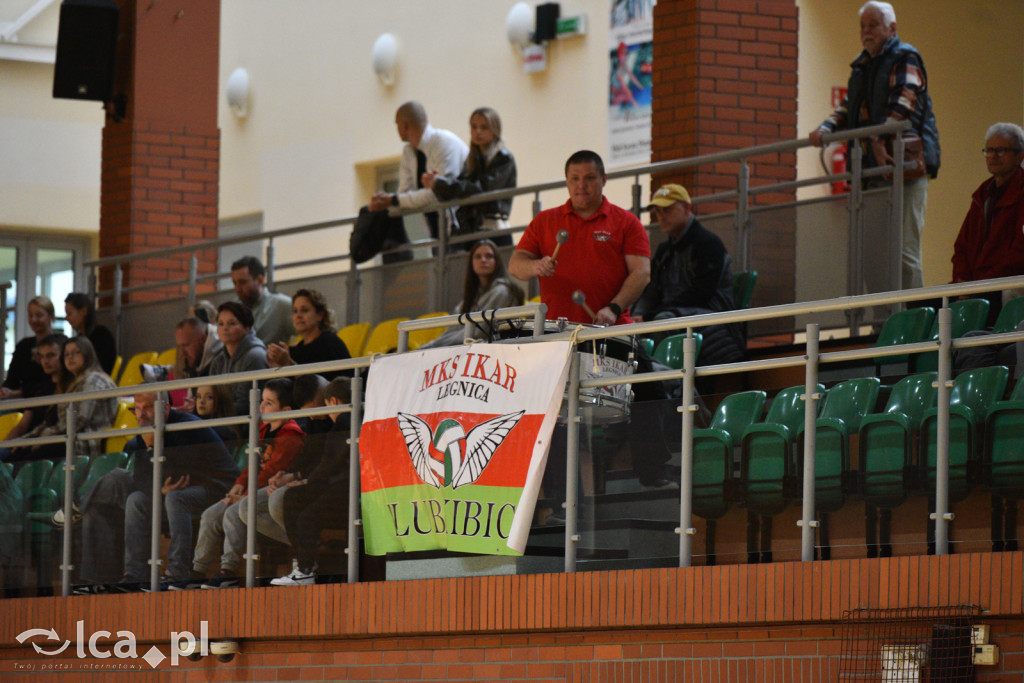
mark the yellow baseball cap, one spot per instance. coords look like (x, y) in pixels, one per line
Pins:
(667, 195)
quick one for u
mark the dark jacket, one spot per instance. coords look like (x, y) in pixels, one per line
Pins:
(870, 80)
(199, 453)
(498, 174)
(689, 276)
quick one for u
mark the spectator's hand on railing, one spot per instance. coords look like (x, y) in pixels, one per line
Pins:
(379, 201)
(278, 356)
(174, 486)
(815, 137)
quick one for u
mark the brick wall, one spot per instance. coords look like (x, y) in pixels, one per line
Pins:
(725, 78)
(161, 154)
(160, 184)
(762, 622)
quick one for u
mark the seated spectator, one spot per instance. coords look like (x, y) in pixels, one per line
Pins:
(307, 392)
(117, 511)
(81, 373)
(487, 286)
(221, 527)
(242, 350)
(690, 274)
(314, 322)
(318, 500)
(990, 243)
(489, 167)
(271, 312)
(25, 371)
(48, 351)
(213, 401)
(205, 311)
(196, 344)
(80, 312)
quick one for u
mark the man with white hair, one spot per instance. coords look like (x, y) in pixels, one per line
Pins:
(991, 239)
(888, 83)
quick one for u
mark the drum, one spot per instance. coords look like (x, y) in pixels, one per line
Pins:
(611, 357)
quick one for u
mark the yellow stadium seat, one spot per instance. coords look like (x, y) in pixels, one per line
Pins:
(534, 300)
(167, 357)
(354, 337)
(384, 338)
(132, 374)
(7, 422)
(116, 369)
(418, 338)
(125, 419)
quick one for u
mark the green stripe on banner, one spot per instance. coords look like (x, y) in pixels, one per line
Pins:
(476, 519)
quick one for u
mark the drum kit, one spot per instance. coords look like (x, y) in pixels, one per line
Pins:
(613, 357)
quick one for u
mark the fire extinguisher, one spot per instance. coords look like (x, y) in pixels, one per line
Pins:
(836, 164)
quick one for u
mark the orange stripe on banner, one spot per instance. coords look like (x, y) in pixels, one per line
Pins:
(385, 461)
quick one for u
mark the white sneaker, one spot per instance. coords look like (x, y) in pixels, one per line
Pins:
(296, 578)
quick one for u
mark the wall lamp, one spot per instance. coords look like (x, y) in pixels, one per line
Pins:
(385, 58)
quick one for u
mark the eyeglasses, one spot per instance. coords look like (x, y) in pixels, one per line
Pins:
(998, 151)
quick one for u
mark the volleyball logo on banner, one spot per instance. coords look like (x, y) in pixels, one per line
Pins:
(453, 445)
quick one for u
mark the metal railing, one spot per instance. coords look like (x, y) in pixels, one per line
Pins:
(742, 223)
(811, 360)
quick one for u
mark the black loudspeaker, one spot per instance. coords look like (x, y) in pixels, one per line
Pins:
(547, 22)
(86, 44)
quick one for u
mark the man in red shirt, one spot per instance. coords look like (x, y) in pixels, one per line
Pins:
(607, 255)
(991, 239)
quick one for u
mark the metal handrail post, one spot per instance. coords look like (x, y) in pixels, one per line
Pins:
(686, 530)
(808, 523)
(637, 196)
(855, 209)
(118, 291)
(743, 215)
(353, 281)
(271, 252)
(572, 459)
(896, 217)
(91, 283)
(942, 515)
(252, 485)
(155, 560)
(69, 468)
(3, 328)
(354, 520)
(193, 278)
(536, 205)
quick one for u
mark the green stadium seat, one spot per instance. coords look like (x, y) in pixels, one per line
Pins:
(967, 315)
(743, 288)
(1004, 464)
(886, 455)
(1010, 316)
(904, 327)
(766, 466)
(713, 458)
(670, 350)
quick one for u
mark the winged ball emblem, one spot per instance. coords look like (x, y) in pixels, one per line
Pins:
(465, 455)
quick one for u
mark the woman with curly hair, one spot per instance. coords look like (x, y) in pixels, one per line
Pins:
(314, 323)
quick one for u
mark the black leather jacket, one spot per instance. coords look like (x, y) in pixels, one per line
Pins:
(499, 174)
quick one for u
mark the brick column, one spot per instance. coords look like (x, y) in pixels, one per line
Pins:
(725, 77)
(161, 154)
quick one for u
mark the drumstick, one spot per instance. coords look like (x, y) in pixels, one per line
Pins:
(580, 299)
(562, 237)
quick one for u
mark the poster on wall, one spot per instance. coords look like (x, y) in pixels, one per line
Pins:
(454, 443)
(630, 63)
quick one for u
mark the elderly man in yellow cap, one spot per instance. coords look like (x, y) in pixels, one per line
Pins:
(691, 274)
